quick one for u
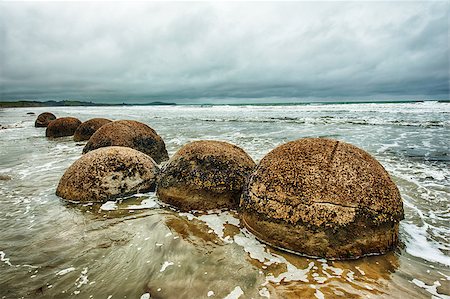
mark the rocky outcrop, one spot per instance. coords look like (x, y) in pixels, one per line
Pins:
(64, 126)
(44, 119)
(108, 173)
(88, 128)
(129, 133)
(205, 175)
(323, 198)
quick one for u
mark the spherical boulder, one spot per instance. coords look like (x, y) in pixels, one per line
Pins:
(322, 198)
(205, 175)
(44, 119)
(132, 134)
(108, 173)
(64, 126)
(88, 128)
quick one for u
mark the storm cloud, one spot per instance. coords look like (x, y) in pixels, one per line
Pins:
(145, 51)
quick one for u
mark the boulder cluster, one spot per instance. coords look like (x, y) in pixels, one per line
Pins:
(314, 196)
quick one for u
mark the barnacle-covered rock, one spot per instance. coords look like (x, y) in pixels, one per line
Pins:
(64, 126)
(44, 119)
(129, 133)
(107, 173)
(205, 175)
(88, 128)
(324, 198)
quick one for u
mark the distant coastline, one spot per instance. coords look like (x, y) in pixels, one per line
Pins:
(20, 104)
(72, 103)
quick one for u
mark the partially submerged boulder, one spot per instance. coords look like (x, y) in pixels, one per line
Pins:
(129, 133)
(108, 173)
(44, 119)
(323, 198)
(64, 126)
(88, 128)
(205, 175)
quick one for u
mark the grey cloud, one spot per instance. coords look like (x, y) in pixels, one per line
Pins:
(143, 51)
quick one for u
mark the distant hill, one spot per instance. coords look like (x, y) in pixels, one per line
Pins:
(19, 104)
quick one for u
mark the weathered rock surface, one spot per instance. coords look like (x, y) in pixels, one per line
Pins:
(88, 128)
(108, 173)
(129, 133)
(64, 126)
(205, 175)
(324, 198)
(44, 119)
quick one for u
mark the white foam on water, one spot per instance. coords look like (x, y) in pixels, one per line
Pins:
(236, 293)
(83, 278)
(350, 276)
(360, 270)
(319, 295)
(65, 271)
(432, 289)
(336, 271)
(4, 259)
(217, 222)
(419, 246)
(189, 216)
(292, 274)
(256, 249)
(109, 206)
(446, 276)
(259, 251)
(264, 292)
(165, 265)
(148, 203)
(145, 296)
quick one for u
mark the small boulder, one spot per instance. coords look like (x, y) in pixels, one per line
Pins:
(108, 173)
(64, 126)
(129, 133)
(205, 175)
(44, 119)
(322, 198)
(88, 128)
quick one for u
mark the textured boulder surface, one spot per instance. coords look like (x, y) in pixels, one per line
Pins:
(323, 198)
(88, 128)
(129, 133)
(64, 126)
(205, 175)
(44, 119)
(108, 173)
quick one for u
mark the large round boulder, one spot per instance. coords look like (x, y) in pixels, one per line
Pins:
(132, 134)
(64, 126)
(322, 198)
(108, 173)
(205, 175)
(44, 119)
(88, 128)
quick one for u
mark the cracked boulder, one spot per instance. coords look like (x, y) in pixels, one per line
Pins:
(61, 127)
(322, 198)
(205, 175)
(129, 133)
(88, 128)
(108, 173)
(44, 119)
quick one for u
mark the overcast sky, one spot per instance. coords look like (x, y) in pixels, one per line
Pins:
(191, 52)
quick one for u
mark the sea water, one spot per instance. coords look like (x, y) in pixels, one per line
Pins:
(138, 248)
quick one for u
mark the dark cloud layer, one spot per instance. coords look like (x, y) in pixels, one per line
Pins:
(145, 51)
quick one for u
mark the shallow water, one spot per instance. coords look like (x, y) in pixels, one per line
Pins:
(138, 247)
